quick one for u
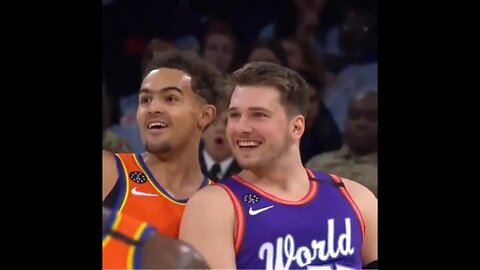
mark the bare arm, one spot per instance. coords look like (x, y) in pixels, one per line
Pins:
(208, 225)
(109, 173)
(367, 202)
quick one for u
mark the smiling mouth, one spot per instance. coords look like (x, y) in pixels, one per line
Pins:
(157, 125)
(248, 144)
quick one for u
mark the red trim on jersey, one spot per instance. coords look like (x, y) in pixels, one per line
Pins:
(239, 218)
(307, 198)
(350, 200)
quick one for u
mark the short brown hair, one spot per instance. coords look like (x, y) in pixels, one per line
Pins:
(292, 87)
(207, 82)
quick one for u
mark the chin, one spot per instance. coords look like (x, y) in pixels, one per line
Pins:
(248, 164)
(158, 147)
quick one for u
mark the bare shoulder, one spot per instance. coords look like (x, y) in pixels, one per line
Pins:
(360, 194)
(108, 161)
(208, 225)
(211, 202)
(358, 190)
(367, 202)
(211, 194)
(107, 157)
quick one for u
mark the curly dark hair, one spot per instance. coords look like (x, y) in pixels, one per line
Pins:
(207, 82)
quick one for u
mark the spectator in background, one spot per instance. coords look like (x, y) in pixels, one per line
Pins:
(297, 54)
(220, 47)
(312, 21)
(216, 159)
(359, 42)
(154, 46)
(358, 35)
(111, 141)
(301, 57)
(268, 51)
(321, 133)
(357, 159)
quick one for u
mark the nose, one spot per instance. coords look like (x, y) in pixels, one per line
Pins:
(156, 107)
(244, 125)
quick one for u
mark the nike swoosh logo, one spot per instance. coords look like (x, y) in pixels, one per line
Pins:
(258, 211)
(139, 193)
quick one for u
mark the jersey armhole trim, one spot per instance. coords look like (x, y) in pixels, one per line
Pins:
(239, 218)
(356, 209)
(123, 184)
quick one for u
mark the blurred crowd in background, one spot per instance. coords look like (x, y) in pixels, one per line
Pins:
(331, 43)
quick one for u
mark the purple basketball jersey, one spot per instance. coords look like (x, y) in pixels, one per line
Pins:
(321, 231)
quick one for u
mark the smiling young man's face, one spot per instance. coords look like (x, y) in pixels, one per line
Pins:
(168, 110)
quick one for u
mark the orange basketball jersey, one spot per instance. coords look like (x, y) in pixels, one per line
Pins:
(122, 242)
(141, 196)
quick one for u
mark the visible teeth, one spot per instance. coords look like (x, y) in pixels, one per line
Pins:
(157, 124)
(247, 143)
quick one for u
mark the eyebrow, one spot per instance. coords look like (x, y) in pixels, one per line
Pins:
(164, 89)
(251, 109)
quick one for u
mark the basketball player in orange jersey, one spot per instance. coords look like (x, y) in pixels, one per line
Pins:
(131, 244)
(176, 102)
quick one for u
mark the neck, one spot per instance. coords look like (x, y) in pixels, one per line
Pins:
(282, 172)
(177, 170)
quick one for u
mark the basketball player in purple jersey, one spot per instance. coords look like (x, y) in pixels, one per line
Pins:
(276, 214)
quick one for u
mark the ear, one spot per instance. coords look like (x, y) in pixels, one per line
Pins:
(297, 126)
(207, 116)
